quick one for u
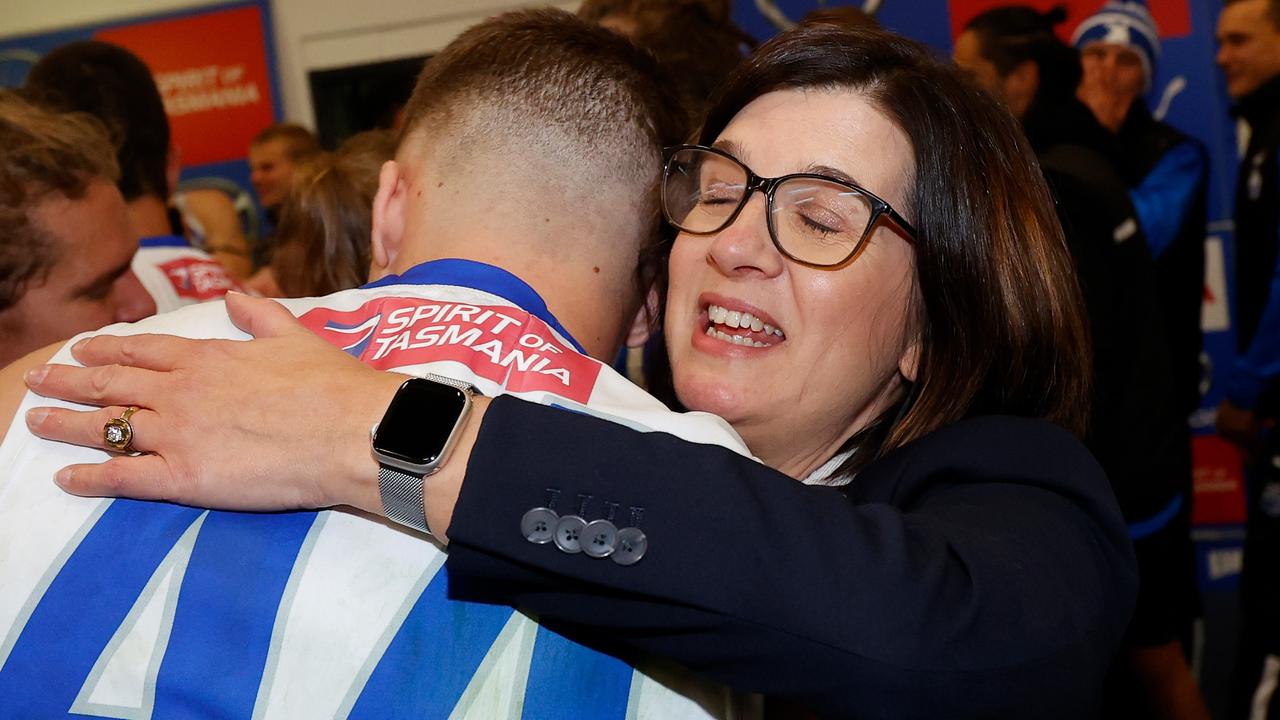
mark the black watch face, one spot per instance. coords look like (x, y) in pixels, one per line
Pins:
(417, 426)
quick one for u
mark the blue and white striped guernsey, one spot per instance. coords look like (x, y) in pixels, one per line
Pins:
(129, 609)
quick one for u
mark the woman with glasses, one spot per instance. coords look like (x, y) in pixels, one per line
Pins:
(871, 286)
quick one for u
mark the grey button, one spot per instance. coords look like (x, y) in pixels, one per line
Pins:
(632, 544)
(569, 533)
(539, 525)
(599, 538)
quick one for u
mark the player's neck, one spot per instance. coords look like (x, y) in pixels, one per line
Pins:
(584, 297)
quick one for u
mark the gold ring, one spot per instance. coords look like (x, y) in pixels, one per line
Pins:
(117, 434)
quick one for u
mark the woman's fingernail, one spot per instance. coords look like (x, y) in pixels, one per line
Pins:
(35, 416)
(63, 477)
(36, 375)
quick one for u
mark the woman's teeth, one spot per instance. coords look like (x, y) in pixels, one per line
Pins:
(735, 339)
(733, 319)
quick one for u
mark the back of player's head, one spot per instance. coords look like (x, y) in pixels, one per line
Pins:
(116, 87)
(42, 154)
(544, 109)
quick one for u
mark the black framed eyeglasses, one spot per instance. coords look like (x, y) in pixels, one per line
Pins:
(813, 219)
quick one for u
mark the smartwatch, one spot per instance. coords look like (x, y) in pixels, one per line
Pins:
(413, 441)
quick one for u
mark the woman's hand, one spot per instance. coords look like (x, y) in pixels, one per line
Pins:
(281, 422)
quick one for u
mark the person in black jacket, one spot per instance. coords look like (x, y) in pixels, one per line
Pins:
(1137, 428)
(1166, 171)
(888, 335)
(1249, 54)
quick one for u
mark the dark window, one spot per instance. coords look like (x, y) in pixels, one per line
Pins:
(361, 97)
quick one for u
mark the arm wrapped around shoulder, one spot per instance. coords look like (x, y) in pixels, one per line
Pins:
(982, 571)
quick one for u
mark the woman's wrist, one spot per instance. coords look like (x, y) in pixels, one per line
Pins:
(357, 485)
(441, 490)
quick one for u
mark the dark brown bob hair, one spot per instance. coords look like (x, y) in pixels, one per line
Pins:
(998, 308)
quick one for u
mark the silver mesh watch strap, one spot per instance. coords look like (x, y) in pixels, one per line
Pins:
(402, 498)
(401, 492)
(462, 385)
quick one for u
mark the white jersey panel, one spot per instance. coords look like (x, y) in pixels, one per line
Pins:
(353, 618)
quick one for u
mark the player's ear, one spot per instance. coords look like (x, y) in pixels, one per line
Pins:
(388, 218)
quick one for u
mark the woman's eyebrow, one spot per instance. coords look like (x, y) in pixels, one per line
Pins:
(832, 172)
(730, 147)
(735, 149)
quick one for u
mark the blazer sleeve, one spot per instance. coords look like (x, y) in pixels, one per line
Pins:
(983, 571)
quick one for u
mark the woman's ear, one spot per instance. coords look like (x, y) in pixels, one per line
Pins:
(909, 361)
(645, 321)
(388, 219)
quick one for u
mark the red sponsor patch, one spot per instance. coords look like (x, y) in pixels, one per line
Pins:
(198, 278)
(502, 344)
(1218, 481)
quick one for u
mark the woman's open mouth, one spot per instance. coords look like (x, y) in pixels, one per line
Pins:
(737, 325)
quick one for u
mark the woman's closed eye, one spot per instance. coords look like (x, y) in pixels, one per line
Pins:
(821, 223)
(720, 194)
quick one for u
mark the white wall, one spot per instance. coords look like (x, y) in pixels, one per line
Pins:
(24, 17)
(309, 34)
(324, 34)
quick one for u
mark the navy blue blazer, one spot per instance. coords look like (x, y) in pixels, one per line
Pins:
(981, 571)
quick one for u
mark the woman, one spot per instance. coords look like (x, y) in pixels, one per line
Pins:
(932, 584)
(971, 565)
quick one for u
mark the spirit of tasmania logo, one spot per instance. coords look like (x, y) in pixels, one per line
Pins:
(198, 278)
(503, 344)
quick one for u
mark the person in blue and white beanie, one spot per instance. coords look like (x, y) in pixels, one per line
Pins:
(1165, 170)
(1125, 24)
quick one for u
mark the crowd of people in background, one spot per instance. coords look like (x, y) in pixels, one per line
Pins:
(1138, 427)
(85, 144)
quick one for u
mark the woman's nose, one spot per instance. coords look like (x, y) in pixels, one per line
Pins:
(744, 248)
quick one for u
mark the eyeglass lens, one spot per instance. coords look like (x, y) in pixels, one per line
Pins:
(813, 220)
